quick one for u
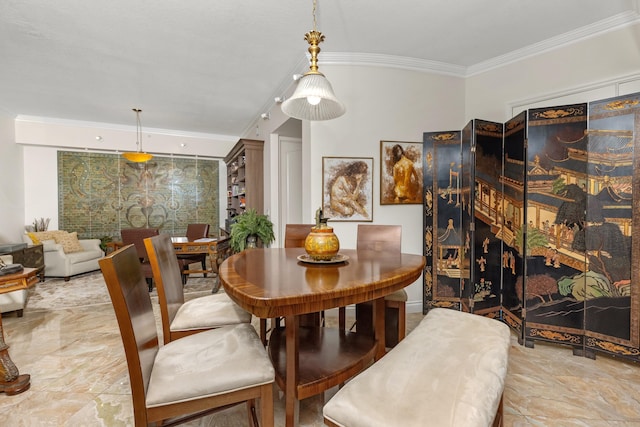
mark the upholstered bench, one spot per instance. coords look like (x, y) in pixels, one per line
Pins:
(449, 371)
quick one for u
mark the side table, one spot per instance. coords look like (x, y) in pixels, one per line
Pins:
(11, 381)
(29, 256)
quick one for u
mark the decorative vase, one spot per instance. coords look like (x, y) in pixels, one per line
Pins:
(322, 244)
(251, 242)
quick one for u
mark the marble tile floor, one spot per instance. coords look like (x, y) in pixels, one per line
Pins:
(79, 376)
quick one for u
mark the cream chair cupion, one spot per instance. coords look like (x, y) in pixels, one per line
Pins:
(13, 301)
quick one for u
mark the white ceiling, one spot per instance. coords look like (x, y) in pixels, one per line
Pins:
(214, 66)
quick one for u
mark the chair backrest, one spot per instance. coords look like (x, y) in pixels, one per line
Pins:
(136, 236)
(197, 231)
(132, 304)
(295, 235)
(373, 237)
(166, 274)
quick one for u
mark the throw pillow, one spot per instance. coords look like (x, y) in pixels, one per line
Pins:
(69, 242)
(34, 238)
(47, 235)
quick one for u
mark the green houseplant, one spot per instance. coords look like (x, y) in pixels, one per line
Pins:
(250, 223)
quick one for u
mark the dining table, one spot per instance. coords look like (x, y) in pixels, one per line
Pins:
(287, 283)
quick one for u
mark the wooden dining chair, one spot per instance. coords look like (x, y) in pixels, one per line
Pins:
(135, 237)
(180, 318)
(195, 232)
(190, 377)
(379, 238)
(294, 237)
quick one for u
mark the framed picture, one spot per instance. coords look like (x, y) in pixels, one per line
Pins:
(400, 173)
(347, 188)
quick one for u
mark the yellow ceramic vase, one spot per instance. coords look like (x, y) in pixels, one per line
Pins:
(322, 244)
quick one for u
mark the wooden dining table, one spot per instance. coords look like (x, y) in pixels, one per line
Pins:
(274, 282)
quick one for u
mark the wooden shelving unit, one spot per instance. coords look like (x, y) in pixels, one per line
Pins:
(245, 174)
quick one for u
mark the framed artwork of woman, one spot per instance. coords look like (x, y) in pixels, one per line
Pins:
(347, 188)
(400, 173)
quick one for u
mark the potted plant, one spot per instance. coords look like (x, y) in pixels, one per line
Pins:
(250, 224)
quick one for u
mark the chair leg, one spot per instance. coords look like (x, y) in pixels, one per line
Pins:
(204, 267)
(251, 411)
(342, 319)
(263, 331)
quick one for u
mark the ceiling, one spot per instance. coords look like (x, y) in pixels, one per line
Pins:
(213, 66)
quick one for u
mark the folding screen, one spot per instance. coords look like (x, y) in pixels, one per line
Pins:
(544, 241)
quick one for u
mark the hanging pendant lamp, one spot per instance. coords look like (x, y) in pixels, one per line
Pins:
(138, 156)
(313, 98)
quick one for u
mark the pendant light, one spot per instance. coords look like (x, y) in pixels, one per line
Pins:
(313, 98)
(138, 156)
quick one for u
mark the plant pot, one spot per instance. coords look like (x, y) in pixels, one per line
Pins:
(251, 242)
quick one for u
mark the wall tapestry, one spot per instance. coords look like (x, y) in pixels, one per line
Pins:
(99, 194)
(347, 188)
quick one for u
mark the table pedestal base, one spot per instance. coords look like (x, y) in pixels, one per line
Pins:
(11, 381)
(17, 386)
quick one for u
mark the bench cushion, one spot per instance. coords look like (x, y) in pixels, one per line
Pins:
(449, 371)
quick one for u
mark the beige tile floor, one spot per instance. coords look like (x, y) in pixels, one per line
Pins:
(79, 378)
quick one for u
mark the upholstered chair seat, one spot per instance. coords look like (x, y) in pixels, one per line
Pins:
(192, 376)
(181, 318)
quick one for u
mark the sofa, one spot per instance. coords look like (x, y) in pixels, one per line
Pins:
(65, 255)
(13, 301)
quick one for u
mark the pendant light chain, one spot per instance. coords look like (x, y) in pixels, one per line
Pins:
(314, 15)
(138, 129)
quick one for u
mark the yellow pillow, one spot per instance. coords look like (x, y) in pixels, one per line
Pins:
(34, 238)
(69, 242)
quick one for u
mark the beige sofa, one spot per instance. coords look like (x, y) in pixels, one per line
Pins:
(13, 301)
(61, 263)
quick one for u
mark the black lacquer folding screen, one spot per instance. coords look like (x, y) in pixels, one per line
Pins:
(531, 222)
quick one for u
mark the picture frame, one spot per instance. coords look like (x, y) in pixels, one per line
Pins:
(347, 188)
(401, 174)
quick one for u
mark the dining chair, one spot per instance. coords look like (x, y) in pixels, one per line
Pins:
(180, 318)
(387, 238)
(135, 237)
(195, 232)
(190, 377)
(294, 237)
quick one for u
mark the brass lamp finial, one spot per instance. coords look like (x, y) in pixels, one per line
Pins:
(314, 38)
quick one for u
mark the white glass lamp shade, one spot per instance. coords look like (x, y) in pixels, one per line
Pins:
(313, 99)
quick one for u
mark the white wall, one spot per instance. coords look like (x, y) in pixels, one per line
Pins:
(12, 194)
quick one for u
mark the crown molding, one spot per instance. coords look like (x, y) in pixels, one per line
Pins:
(423, 65)
(606, 25)
(127, 128)
(401, 62)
